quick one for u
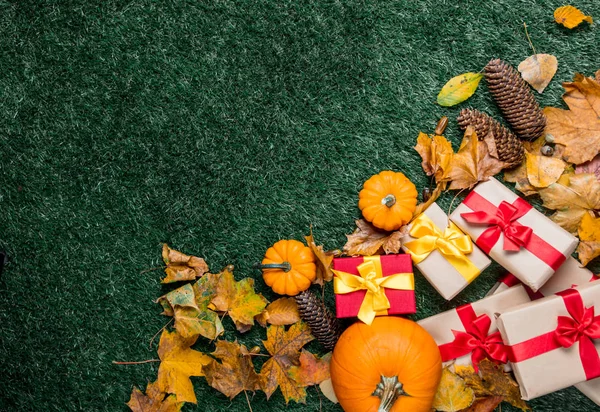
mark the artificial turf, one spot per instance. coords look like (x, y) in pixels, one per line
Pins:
(218, 127)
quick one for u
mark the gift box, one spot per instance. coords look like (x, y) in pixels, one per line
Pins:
(468, 333)
(554, 342)
(443, 254)
(513, 233)
(371, 286)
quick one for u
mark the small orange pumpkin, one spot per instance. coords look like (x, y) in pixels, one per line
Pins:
(391, 365)
(289, 267)
(388, 200)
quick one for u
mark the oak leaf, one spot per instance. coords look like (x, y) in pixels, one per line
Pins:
(538, 70)
(312, 370)
(284, 347)
(153, 401)
(589, 236)
(323, 260)
(452, 394)
(472, 163)
(178, 363)
(181, 267)
(570, 17)
(578, 129)
(436, 153)
(458, 89)
(488, 404)
(367, 240)
(573, 200)
(283, 311)
(238, 299)
(236, 371)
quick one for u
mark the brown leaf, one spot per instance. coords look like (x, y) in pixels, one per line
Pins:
(488, 404)
(578, 128)
(181, 267)
(284, 347)
(323, 260)
(573, 200)
(436, 153)
(452, 394)
(589, 234)
(153, 401)
(366, 240)
(283, 311)
(472, 163)
(236, 371)
(593, 166)
(312, 370)
(538, 70)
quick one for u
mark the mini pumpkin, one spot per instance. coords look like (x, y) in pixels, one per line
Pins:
(388, 200)
(289, 267)
(391, 365)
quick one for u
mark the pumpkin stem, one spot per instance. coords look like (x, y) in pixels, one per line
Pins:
(389, 200)
(285, 266)
(388, 390)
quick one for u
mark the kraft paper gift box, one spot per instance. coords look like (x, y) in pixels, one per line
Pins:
(513, 233)
(443, 254)
(464, 332)
(371, 286)
(555, 341)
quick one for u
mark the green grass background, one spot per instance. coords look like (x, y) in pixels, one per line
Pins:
(218, 127)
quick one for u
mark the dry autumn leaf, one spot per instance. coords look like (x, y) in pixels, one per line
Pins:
(589, 236)
(578, 129)
(178, 363)
(488, 404)
(153, 401)
(367, 240)
(236, 371)
(593, 166)
(283, 311)
(472, 163)
(323, 261)
(573, 200)
(570, 17)
(453, 394)
(538, 70)
(312, 370)
(436, 153)
(458, 89)
(284, 347)
(542, 171)
(327, 389)
(181, 267)
(238, 299)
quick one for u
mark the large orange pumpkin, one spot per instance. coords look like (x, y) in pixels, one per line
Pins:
(388, 200)
(391, 365)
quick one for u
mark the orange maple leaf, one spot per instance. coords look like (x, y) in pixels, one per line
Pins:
(284, 347)
(579, 127)
(181, 267)
(153, 401)
(312, 370)
(236, 371)
(178, 363)
(589, 234)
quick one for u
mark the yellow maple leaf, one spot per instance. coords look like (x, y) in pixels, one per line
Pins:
(453, 394)
(572, 199)
(458, 89)
(153, 401)
(178, 363)
(578, 128)
(589, 235)
(570, 16)
(181, 267)
(283, 311)
(538, 70)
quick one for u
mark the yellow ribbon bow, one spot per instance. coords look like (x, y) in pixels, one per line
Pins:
(372, 280)
(453, 244)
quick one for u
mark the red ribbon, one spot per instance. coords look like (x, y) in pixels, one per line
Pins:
(503, 220)
(581, 326)
(475, 340)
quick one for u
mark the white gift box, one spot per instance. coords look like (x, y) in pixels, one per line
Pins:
(513, 233)
(440, 268)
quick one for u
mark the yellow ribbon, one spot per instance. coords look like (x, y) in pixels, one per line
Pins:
(452, 244)
(372, 280)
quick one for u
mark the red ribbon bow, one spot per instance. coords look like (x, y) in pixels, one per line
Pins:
(475, 340)
(502, 221)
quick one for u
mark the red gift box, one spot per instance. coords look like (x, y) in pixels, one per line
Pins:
(401, 301)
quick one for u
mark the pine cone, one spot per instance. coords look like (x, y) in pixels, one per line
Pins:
(515, 99)
(323, 324)
(508, 147)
